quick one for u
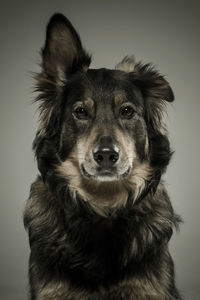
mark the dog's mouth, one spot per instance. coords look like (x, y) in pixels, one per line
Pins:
(105, 175)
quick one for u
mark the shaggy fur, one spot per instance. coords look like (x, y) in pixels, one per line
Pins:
(99, 218)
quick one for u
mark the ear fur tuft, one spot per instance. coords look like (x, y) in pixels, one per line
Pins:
(127, 64)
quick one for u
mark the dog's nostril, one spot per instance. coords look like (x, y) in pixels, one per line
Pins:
(99, 158)
(114, 157)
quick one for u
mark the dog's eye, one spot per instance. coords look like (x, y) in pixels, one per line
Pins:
(81, 113)
(127, 112)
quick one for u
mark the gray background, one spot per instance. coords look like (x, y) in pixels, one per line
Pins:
(163, 32)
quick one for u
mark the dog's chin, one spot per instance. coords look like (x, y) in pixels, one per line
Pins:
(105, 175)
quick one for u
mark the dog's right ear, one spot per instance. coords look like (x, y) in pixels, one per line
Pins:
(62, 56)
(63, 53)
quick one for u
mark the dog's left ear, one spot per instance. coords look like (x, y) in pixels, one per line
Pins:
(154, 84)
(156, 92)
(154, 87)
(63, 53)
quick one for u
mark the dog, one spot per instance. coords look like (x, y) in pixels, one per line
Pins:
(99, 217)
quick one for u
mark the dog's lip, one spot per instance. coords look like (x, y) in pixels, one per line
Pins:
(105, 173)
(85, 173)
(125, 174)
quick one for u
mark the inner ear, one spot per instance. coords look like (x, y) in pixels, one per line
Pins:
(63, 53)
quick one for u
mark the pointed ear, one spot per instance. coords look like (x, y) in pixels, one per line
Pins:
(156, 91)
(63, 53)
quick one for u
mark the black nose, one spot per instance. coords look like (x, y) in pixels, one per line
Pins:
(106, 154)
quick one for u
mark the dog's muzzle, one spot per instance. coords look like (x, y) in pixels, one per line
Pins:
(106, 153)
(106, 163)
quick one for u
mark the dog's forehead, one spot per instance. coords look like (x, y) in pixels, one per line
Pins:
(107, 85)
(106, 79)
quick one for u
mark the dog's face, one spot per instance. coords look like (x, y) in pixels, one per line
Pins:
(98, 126)
(107, 120)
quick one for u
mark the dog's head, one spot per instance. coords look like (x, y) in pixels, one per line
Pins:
(99, 128)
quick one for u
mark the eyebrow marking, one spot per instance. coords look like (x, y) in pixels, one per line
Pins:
(89, 103)
(119, 98)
